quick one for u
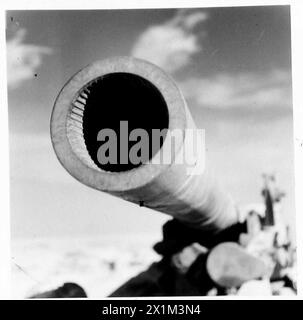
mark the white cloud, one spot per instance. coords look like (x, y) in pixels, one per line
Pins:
(271, 89)
(188, 20)
(170, 45)
(22, 59)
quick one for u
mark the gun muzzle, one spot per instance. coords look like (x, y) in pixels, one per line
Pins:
(140, 94)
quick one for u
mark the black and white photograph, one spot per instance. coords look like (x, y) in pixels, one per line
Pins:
(151, 152)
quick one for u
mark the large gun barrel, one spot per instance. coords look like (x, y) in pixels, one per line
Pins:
(140, 94)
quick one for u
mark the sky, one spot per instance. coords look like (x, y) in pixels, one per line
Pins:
(232, 64)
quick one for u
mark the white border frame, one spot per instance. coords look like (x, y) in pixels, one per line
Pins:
(297, 71)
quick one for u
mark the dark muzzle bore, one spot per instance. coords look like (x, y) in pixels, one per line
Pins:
(117, 97)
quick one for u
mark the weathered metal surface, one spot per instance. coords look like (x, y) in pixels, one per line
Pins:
(197, 200)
